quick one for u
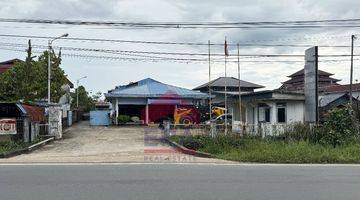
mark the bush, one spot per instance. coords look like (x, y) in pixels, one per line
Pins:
(195, 142)
(122, 119)
(251, 149)
(339, 128)
(10, 145)
(297, 132)
(212, 145)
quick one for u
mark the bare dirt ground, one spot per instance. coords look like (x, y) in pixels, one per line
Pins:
(83, 143)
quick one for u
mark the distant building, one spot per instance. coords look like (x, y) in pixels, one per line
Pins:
(6, 65)
(296, 81)
(217, 87)
(269, 112)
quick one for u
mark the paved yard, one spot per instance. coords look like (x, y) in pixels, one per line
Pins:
(83, 143)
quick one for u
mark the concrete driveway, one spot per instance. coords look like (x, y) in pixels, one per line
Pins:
(83, 143)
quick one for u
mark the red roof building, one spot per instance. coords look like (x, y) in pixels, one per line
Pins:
(4, 66)
(342, 88)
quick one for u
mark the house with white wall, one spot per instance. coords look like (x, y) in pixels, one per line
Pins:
(268, 111)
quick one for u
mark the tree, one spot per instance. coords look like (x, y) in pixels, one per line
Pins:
(27, 80)
(96, 97)
(86, 103)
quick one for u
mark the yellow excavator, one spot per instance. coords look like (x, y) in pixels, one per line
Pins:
(186, 116)
(190, 115)
(217, 111)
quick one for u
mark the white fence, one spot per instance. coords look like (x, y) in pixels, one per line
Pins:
(265, 129)
(260, 130)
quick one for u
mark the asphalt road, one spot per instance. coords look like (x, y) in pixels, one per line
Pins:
(179, 181)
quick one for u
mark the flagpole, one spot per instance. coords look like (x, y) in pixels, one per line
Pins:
(238, 59)
(209, 86)
(226, 111)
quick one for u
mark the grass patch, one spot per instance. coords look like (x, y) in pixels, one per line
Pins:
(11, 146)
(271, 151)
(7, 146)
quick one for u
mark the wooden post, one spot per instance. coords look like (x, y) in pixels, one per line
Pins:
(238, 59)
(351, 67)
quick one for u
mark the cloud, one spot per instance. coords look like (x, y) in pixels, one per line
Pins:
(104, 74)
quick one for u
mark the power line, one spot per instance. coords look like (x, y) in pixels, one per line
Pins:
(149, 52)
(187, 61)
(349, 23)
(129, 52)
(243, 44)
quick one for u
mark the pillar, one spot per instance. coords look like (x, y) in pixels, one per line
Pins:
(116, 111)
(147, 114)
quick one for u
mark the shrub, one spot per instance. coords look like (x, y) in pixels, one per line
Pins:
(10, 145)
(122, 119)
(297, 132)
(339, 128)
(212, 145)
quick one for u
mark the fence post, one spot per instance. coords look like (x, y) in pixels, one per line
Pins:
(212, 129)
(55, 121)
(167, 130)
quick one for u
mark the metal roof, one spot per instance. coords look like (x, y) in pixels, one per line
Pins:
(230, 82)
(148, 88)
(6, 65)
(273, 95)
(342, 88)
(301, 73)
(35, 113)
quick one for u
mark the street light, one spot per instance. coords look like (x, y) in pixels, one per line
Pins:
(77, 90)
(49, 64)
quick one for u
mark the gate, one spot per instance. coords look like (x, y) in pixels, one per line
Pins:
(99, 118)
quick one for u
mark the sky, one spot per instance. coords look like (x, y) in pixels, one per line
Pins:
(104, 74)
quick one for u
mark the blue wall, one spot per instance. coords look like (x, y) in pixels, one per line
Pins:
(99, 118)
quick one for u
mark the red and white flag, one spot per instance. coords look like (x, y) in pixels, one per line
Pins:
(226, 48)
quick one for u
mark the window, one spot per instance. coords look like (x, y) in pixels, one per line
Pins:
(281, 112)
(267, 114)
(264, 114)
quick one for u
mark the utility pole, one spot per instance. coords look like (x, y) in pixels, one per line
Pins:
(238, 59)
(225, 82)
(49, 72)
(49, 64)
(209, 87)
(351, 68)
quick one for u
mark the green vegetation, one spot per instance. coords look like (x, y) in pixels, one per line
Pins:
(28, 80)
(340, 127)
(247, 149)
(86, 102)
(7, 146)
(335, 141)
(122, 119)
(11, 146)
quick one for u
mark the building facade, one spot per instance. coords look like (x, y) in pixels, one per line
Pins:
(150, 100)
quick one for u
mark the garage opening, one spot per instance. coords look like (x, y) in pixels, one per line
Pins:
(132, 110)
